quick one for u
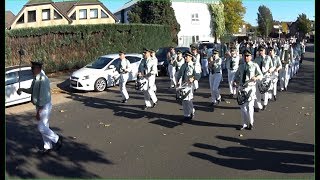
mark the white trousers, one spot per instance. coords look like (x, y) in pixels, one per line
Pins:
(172, 72)
(188, 108)
(149, 93)
(284, 76)
(257, 101)
(123, 89)
(231, 74)
(179, 81)
(214, 82)
(204, 66)
(297, 65)
(275, 85)
(48, 135)
(247, 111)
(195, 84)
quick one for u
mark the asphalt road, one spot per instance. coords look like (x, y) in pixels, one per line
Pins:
(106, 139)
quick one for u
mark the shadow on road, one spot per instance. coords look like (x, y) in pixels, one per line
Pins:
(22, 142)
(261, 154)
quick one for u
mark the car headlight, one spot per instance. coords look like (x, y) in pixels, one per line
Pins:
(85, 77)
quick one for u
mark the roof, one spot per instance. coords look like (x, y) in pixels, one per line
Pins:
(9, 17)
(32, 2)
(65, 6)
(127, 5)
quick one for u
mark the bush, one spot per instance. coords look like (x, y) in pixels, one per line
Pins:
(68, 47)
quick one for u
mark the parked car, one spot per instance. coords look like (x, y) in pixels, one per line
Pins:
(161, 55)
(101, 73)
(14, 75)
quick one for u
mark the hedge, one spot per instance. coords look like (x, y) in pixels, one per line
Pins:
(68, 47)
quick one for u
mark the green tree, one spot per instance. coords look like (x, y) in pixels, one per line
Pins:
(265, 20)
(155, 12)
(233, 15)
(217, 20)
(303, 24)
(284, 27)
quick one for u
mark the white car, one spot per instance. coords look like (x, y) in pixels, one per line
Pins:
(100, 74)
(12, 84)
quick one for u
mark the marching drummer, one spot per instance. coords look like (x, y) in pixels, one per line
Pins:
(188, 75)
(246, 76)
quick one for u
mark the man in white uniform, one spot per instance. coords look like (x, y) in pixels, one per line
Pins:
(232, 63)
(215, 77)
(155, 60)
(188, 75)
(247, 76)
(147, 69)
(204, 61)
(41, 98)
(197, 66)
(171, 58)
(180, 61)
(277, 65)
(123, 68)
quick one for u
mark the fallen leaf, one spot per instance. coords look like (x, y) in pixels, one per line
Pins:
(302, 107)
(296, 124)
(74, 137)
(109, 142)
(141, 146)
(181, 133)
(240, 135)
(222, 114)
(307, 114)
(272, 123)
(299, 112)
(228, 102)
(101, 123)
(88, 126)
(164, 134)
(61, 110)
(107, 125)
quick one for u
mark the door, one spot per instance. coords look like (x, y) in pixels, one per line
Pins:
(112, 76)
(26, 78)
(134, 64)
(11, 87)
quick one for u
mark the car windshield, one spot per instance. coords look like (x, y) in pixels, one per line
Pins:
(209, 45)
(182, 49)
(161, 54)
(100, 63)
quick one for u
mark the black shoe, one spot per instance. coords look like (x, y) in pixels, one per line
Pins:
(211, 104)
(250, 127)
(195, 90)
(191, 116)
(146, 108)
(285, 89)
(44, 151)
(59, 143)
(264, 107)
(256, 109)
(275, 98)
(124, 101)
(154, 105)
(186, 119)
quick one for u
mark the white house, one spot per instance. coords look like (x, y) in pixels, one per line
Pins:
(193, 16)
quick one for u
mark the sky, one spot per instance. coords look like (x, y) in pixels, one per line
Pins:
(282, 10)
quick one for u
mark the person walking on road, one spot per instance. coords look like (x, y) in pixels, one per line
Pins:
(278, 66)
(123, 68)
(155, 60)
(197, 66)
(246, 77)
(215, 77)
(171, 58)
(180, 61)
(147, 69)
(41, 98)
(188, 75)
(232, 63)
(204, 61)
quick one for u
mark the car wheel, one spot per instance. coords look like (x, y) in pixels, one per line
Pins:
(100, 85)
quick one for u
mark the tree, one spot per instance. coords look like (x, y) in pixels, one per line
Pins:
(233, 15)
(217, 20)
(155, 12)
(303, 24)
(284, 27)
(265, 20)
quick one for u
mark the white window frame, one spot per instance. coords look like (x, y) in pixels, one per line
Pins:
(85, 15)
(94, 13)
(59, 16)
(47, 13)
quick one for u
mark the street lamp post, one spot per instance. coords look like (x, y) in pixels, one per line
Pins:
(279, 30)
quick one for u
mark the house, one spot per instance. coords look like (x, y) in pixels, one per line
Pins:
(9, 17)
(41, 13)
(194, 19)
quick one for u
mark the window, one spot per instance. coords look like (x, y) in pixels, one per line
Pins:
(133, 59)
(116, 62)
(195, 39)
(93, 13)
(25, 75)
(11, 78)
(32, 16)
(195, 18)
(73, 16)
(21, 19)
(104, 15)
(46, 14)
(82, 14)
(56, 15)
